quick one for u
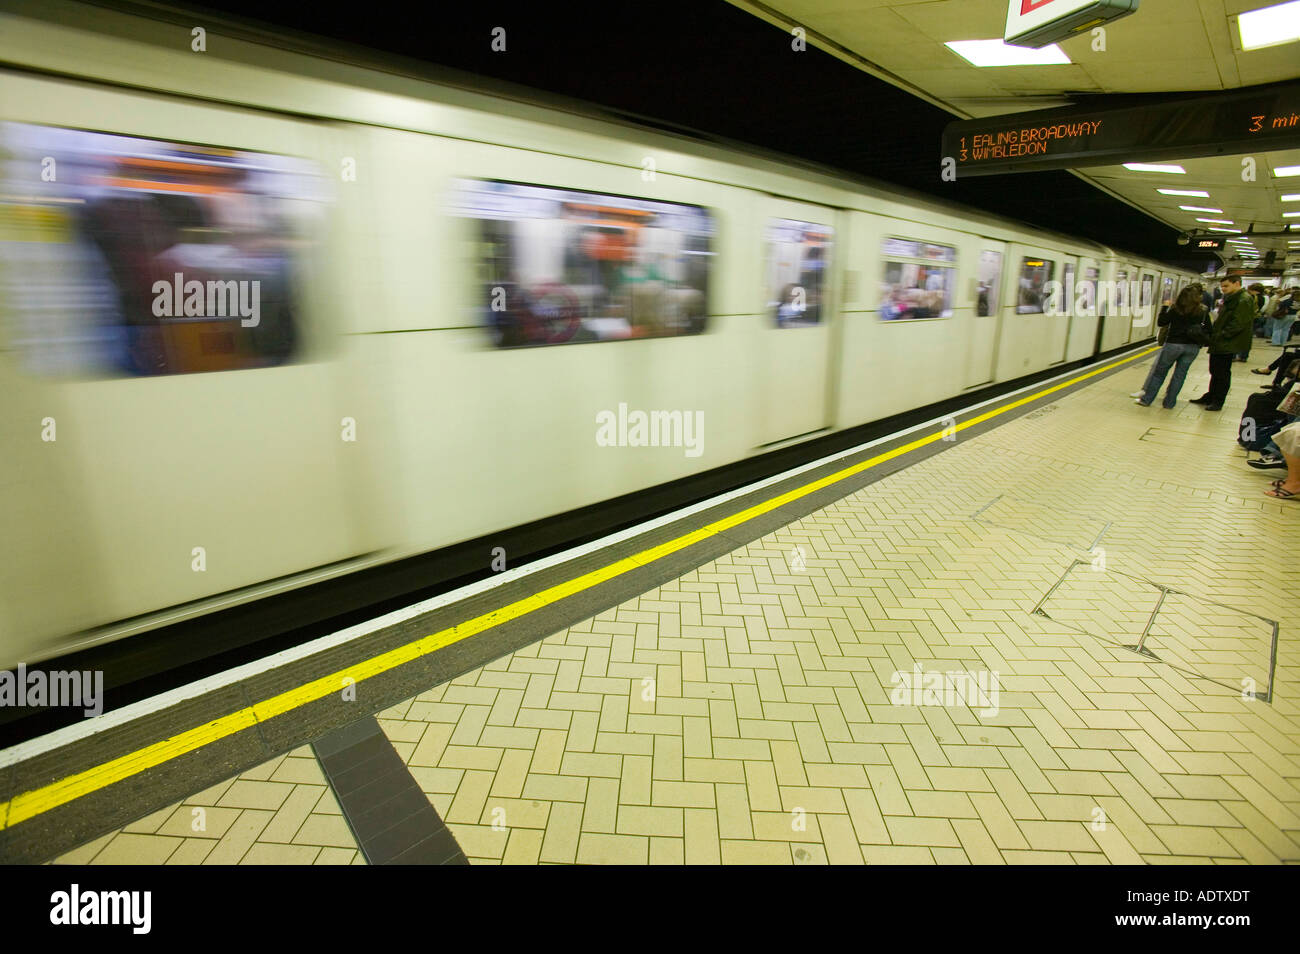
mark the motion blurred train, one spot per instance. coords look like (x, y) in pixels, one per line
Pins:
(269, 318)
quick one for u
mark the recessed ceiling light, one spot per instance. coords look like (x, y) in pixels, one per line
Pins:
(1281, 172)
(1218, 221)
(997, 53)
(1151, 167)
(1271, 26)
(1195, 193)
(1200, 208)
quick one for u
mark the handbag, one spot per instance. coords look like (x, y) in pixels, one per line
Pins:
(1290, 405)
(1200, 332)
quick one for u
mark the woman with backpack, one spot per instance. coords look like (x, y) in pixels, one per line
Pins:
(1187, 328)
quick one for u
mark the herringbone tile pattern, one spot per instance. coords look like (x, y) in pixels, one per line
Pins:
(742, 713)
(281, 812)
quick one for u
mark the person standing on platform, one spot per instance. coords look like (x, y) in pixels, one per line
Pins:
(1229, 336)
(1187, 323)
(1282, 317)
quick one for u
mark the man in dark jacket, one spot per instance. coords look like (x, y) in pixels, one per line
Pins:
(1230, 335)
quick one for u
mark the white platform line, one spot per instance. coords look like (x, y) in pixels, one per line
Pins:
(118, 717)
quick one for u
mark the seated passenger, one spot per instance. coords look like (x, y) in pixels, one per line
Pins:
(1288, 443)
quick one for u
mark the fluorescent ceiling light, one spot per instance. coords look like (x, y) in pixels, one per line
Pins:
(1282, 172)
(1271, 26)
(1291, 215)
(1233, 231)
(997, 53)
(1295, 197)
(1195, 193)
(1200, 208)
(1151, 167)
(1218, 221)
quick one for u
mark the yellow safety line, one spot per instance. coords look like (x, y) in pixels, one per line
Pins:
(38, 801)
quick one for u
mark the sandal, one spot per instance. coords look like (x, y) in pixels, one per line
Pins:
(1276, 484)
(1280, 493)
(1260, 371)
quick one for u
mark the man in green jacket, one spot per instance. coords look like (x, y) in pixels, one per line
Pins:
(1231, 335)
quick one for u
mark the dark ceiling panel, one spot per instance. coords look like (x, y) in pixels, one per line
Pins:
(708, 66)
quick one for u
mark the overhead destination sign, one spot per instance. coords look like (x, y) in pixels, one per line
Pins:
(1237, 121)
(1036, 23)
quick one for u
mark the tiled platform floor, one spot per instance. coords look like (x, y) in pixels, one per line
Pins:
(742, 713)
(281, 812)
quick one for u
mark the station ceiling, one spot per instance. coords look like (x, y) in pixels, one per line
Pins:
(1165, 47)
(714, 69)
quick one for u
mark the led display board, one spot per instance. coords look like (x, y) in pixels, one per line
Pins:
(1262, 118)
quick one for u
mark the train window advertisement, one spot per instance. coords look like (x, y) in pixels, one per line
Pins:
(988, 283)
(798, 256)
(124, 255)
(918, 280)
(559, 266)
(1035, 273)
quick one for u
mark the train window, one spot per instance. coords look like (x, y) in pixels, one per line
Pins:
(1035, 273)
(989, 283)
(1167, 294)
(1064, 305)
(559, 266)
(1121, 290)
(136, 256)
(798, 256)
(1148, 289)
(918, 280)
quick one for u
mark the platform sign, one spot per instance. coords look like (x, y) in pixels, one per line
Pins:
(1261, 118)
(1207, 244)
(1036, 23)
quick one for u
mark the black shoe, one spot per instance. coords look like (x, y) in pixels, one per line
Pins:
(1212, 407)
(1203, 399)
(1268, 463)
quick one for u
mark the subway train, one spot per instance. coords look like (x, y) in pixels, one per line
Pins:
(270, 317)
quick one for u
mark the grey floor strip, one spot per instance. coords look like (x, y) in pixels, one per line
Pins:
(392, 818)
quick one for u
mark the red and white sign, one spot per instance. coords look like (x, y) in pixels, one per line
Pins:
(1040, 22)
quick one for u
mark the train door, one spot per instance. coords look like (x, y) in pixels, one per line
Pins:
(1145, 306)
(801, 255)
(1065, 308)
(192, 444)
(987, 288)
(1085, 328)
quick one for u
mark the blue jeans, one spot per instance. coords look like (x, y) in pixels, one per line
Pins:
(1279, 329)
(1176, 356)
